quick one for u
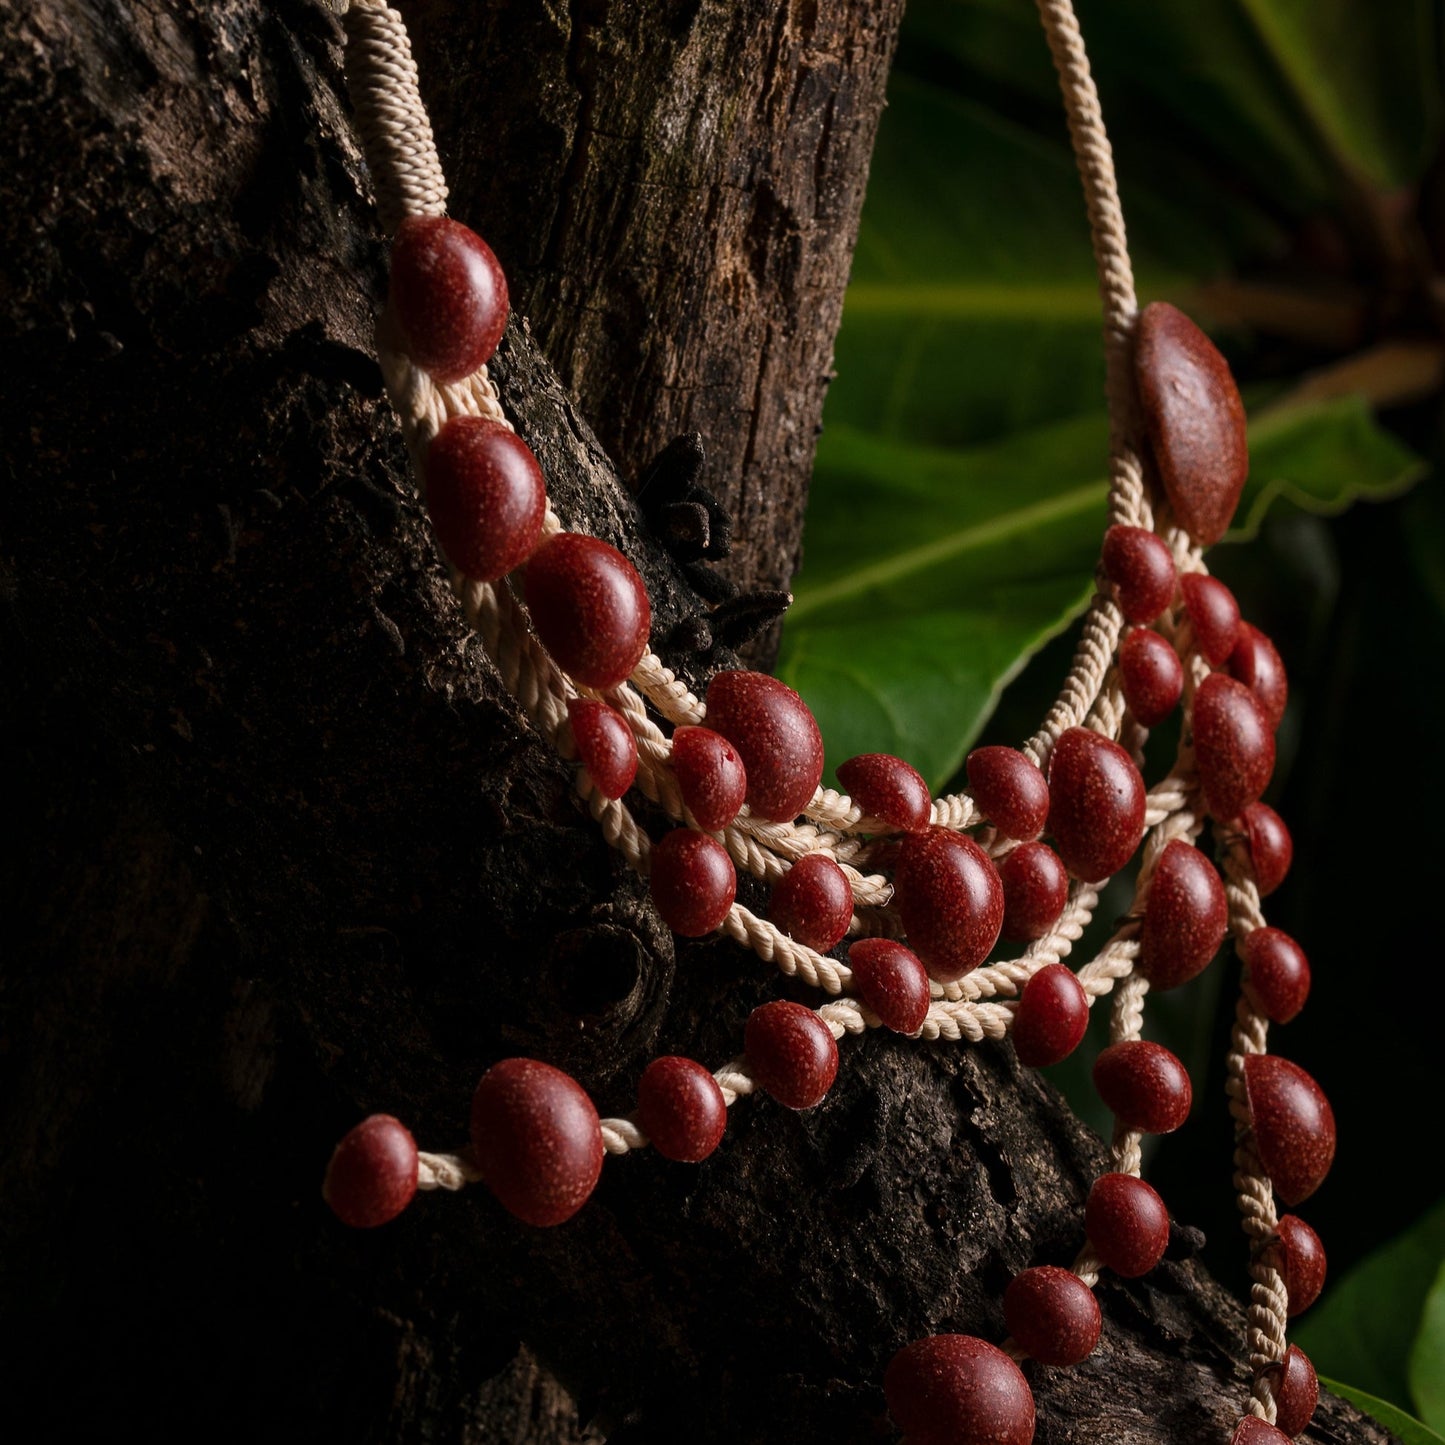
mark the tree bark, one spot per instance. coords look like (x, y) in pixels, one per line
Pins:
(287, 854)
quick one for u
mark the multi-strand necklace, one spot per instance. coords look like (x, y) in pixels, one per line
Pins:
(890, 902)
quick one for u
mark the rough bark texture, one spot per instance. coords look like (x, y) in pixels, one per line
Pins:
(287, 855)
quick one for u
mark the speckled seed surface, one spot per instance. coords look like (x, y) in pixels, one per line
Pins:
(791, 1052)
(813, 902)
(1011, 792)
(950, 898)
(1214, 613)
(589, 607)
(1233, 745)
(1194, 418)
(1253, 1431)
(1141, 567)
(1294, 1126)
(1127, 1223)
(888, 789)
(710, 774)
(1052, 1314)
(959, 1390)
(1271, 848)
(681, 1109)
(1096, 812)
(1052, 1017)
(781, 747)
(1185, 918)
(1299, 1255)
(1296, 1390)
(1256, 663)
(605, 744)
(537, 1140)
(692, 881)
(1151, 675)
(372, 1174)
(892, 981)
(1278, 978)
(1145, 1085)
(1035, 890)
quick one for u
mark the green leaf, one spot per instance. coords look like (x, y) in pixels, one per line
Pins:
(1407, 1427)
(1322, 457)
(1364, 1327)
(1427, 1356)
(932, 574)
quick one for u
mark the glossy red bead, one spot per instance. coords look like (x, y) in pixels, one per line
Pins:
(888, 789)
(485, 496)
(958, 1390)
(589, 608)
(537, 1140)
(1151, 676)
(1253, 1431)
(1214, 613)
(1009, 790)
(1278, 980)
(1185, 918)
(1257, 664)
(693, 882)
(771, 726)
(1233, 745)
(681, 1109)
(813, 902)
(791, 1052)
(605, 744)
(1096, 812)
(1296, 1391)
(892, 981)
(1194, 418)
(1051, 1018)
(448, 295)
(373, 1172)
(1141, 567)
(1127, 1224)
(1294, 1126)
(1035, 891)
(710, 775)
(1271, 849)
(1052, 1314)
(1297, 1252)
(1145, 1085)
(950, 899)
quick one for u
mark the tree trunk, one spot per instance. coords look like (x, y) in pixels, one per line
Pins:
(287, 853)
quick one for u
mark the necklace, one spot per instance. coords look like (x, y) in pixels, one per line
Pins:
(924, 887)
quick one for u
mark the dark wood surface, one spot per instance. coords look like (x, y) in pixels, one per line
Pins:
(281, 853)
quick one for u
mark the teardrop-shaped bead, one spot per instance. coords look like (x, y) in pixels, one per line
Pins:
(1233, 745)
(605, 744)
(950, 899)
(888, 789)
(1009, 790)
(1195, 421)
(1278, 982)
(1294, 1126)
(1185, 917)
(1096, 808)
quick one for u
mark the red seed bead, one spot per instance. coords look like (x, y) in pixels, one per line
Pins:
(1214, 613)
(372, 1174)
(1297, 1252)
(958, 1390)
(1127, 1224)
(892, 981)
(770, 725)
(710, 775)
(950, 900)
(1096, 812)
(537, 1140)
(1185, 919)
(1052, 1314)
(1294, 1126)
(888, 789)
(812, 902)
(1141, 567)
(589, 608)
(1271, 849)
(1009, 790)
(792, 1053)
(693, 882)
(1151, 675)
(448, 295)
(485, 496)
(1296, 1391)
(1278, 981)
(1145, 1085)
(1253, 1431)
(1035, 890)
(1233, 745)
(1195, 421)
(1257, 664)
(604, 743)
(1051, 1018)
(681, 1109)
